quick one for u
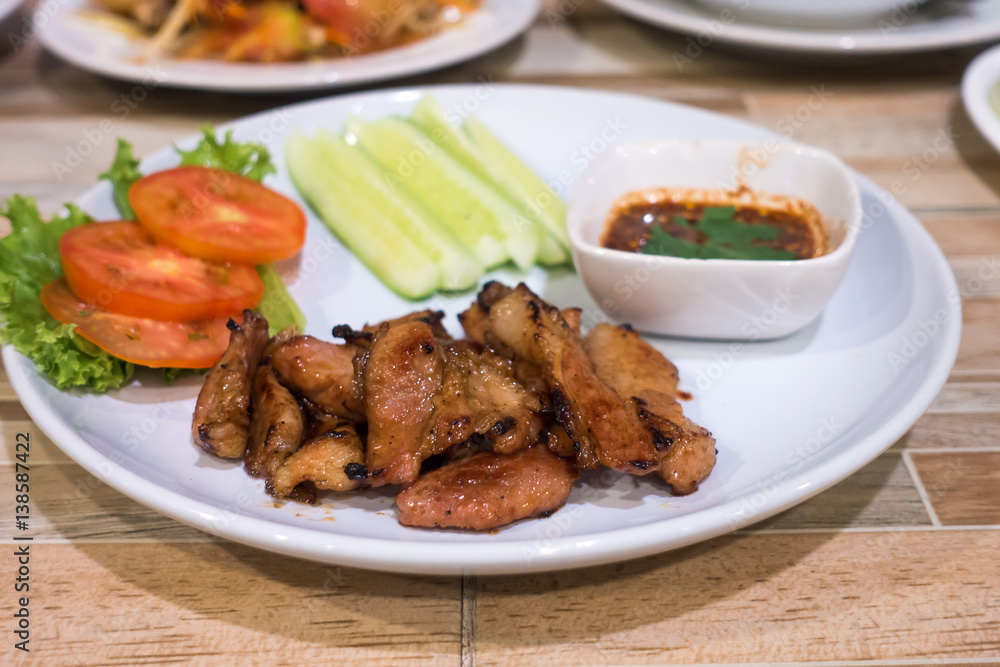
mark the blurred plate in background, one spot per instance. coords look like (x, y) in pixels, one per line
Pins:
(812, 13)
(94, 46)
(938, 24)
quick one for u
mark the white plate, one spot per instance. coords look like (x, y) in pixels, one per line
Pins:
(981, 94)
(937, 25)
(812, 13)
(89, 44)
(8, 7)
(792, 417)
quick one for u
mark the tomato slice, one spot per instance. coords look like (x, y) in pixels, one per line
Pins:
(120, 267)
(139, 340)
(218, 215)
(347, 20)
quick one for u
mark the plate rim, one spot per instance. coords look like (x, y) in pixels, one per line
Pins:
(802, 40)
(481, 558)
(121, 70)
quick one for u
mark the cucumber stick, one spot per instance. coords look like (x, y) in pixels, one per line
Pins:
(459, 269)
(551, 209)
(396, 260)
(551, 252)
(483, 154)
(472, 210)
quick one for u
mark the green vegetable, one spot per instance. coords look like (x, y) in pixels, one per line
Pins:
(171, 375)
(277, 305)
(246, 159)
(358, 222)
(472, 210)
(479, 151)
(459, 269)
(534, 193)
(725, 238)
(29, 260)
(123, 173)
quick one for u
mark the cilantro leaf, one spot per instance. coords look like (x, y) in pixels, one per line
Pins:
(246, 159)
(29, 260)
(662, 243)
(123, 173)
(725, 238)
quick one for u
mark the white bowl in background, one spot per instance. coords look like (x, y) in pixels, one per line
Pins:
(815, 13)
(981, 94)
(713, 298)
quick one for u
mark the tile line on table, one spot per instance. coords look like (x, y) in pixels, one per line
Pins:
(921, 489)
(905, 662)
(865, 529)
(968, 375)
(468, 621)
(988, 449)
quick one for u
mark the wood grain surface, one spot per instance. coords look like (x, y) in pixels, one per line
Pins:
(897, 565)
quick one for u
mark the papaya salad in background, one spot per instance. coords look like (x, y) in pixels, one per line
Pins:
(88, 301)
(279, 30)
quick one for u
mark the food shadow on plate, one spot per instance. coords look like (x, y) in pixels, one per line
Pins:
(613, 490)
(148, 387)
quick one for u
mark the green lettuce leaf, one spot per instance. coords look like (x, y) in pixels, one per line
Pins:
(171, 375)
(246, 159)
(29, 260)
(123, 173)
(277, 305)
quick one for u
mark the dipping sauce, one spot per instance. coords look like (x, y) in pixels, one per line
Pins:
(799, 232)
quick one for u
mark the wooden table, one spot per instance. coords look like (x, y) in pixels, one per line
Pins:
(898, 565)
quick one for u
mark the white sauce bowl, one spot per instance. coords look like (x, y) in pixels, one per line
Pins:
(713, 298)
